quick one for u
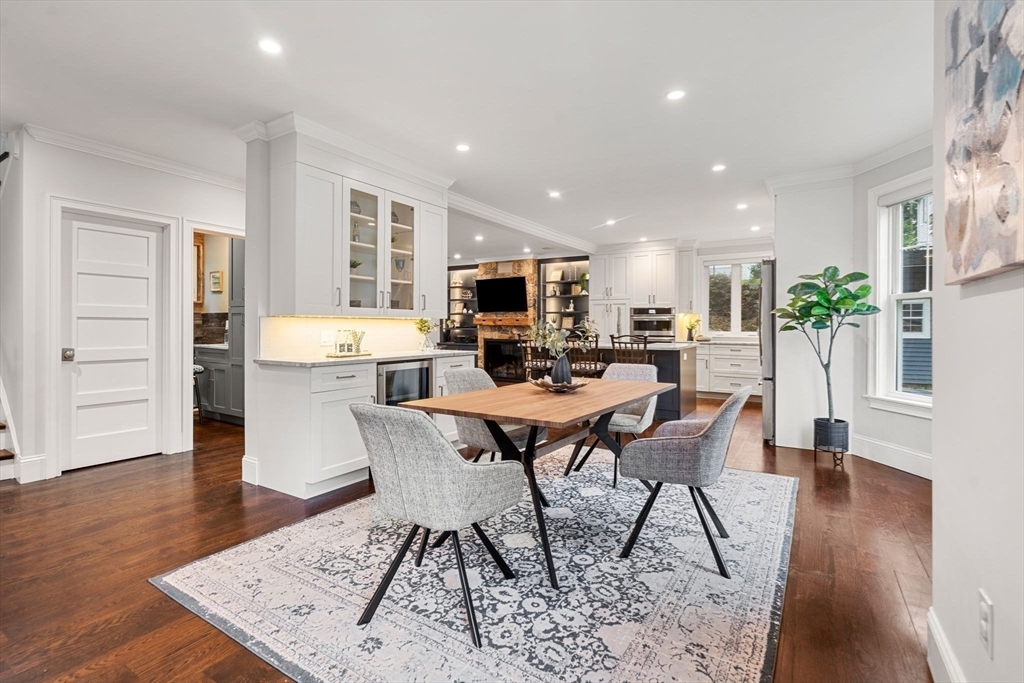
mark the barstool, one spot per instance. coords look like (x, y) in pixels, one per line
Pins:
(196, 371)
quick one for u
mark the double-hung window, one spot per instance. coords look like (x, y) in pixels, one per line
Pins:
(731, 296)
(903, 333)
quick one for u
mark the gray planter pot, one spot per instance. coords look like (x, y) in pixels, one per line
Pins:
(833, 437)
(561, 373)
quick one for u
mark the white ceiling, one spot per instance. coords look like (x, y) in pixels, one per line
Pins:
(554, 95)
(498, 243)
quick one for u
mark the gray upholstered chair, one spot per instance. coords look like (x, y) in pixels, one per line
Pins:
(474, 432)
(633, 419)
(421, 479)
(688, 452)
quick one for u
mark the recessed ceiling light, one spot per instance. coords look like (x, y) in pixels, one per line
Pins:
(718, 167)
(554, 194)
(270, 45)
(479, 238)
(457, 256)
(462, 148)
(610, 221)
(755, 227)
(526, 250)
(675, 94)
(643, 239)
(741, 206)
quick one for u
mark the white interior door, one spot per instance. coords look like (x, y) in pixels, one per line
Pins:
(115, 302)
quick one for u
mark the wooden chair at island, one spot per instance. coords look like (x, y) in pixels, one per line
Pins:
(536, 361)
(630, 348)
(584, 363)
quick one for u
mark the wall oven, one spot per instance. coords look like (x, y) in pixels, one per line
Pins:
(657, 323)
(400, 382)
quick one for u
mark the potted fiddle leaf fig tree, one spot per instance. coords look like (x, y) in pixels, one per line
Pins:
(822, 305)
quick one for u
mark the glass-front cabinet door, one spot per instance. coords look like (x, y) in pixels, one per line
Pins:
(400, 293)
(366, 244)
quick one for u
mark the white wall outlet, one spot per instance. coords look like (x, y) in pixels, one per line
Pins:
(326, 338)
(985, 623)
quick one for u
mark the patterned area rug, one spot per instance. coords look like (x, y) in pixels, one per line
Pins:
(293, 596)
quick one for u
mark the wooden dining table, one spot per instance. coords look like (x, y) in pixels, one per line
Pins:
(588, 410)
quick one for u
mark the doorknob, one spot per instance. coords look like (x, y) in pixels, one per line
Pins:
(67, 354)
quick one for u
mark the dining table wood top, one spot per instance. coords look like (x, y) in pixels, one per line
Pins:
(526, 404)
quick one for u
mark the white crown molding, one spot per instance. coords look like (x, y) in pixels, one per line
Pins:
(254, 130)
(767, 240)
(128, 156)
(503, 218)
(776, 183)
(372, 156)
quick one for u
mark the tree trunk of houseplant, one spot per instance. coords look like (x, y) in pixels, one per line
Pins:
(561, 373)
(831, 434)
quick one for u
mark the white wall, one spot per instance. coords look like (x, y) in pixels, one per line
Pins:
(216, 256)
(813, 229)
(53, 171)
(12, 269)
(978, 456)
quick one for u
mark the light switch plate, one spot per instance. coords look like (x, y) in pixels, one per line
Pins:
(985, 622)
(326, 338)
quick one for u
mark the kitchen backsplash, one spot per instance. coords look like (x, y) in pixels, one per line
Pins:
(299, 338)
(209, 328)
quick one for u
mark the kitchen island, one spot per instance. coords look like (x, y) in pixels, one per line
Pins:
(677, 364)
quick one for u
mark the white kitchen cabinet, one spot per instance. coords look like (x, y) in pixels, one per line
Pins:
(732, 367)
(344, 247)
(335, 445)
(432, 263)
(446, 423)
(653, 278)
(611, 316)
(703, 368)
(609, 276)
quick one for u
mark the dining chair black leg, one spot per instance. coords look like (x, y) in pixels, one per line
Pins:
(640, 521)
(392, 570)
(495, 555)
(473, 628)
(723, 570)
(199, 400)
(478, 454)
(722, 533)
(543, 498)
(423, 547)
(586, 455)
(575, 454)
(441, 539)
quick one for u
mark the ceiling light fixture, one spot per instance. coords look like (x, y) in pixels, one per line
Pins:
(526, 250)
(643, 239)
(675, 94)
(755, 227)
(270, 45)
(462, 147)
(610, 221)
(554, 194)
(457, 256)
(718, 167)
(741, 206)
(479, 238)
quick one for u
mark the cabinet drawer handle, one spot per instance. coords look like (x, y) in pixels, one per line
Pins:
(736, 350)
(736, 365)
(345, 377)
(424, 306)
(456, 366)
(735, 384)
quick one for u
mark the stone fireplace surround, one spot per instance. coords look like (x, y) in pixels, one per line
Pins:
(504, 327)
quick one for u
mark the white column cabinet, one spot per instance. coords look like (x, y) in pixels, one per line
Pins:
(609, 276)
(432, 263)
(653, 278)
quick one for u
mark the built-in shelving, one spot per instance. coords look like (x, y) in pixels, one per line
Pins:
(461, 308)
(564, 284)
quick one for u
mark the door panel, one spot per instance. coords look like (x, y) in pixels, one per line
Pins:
(643, 275)
(364, 249)
(663, 282)
(113, 327)
(334, 451)
(237, 275)
(598, 278)
(432, 270)
(618, 276)
(318, 199)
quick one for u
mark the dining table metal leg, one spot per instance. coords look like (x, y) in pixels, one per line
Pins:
(600, 430)
(509, 451)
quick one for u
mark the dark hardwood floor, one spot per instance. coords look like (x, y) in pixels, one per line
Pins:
(76, 553)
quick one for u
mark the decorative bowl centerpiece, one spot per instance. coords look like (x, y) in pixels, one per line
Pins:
(548, 385)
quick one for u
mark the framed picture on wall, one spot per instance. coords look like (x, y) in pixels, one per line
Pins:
(216, 281)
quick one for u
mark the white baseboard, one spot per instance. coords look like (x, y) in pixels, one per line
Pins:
(941, 660)
(6, 470)
(250, 470)
(906, 459)
(29, 469)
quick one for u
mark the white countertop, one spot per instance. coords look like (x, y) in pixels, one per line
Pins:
(223, 346)
(372, 358)
(658, 346)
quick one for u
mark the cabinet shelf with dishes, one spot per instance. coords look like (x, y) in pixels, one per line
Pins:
(461, 306)
(564, 295)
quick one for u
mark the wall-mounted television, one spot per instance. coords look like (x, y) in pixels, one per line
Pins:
(502, 295)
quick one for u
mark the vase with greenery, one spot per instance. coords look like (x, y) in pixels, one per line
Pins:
(544, 335)
(822, 305)
(425, 327)
(691, 323)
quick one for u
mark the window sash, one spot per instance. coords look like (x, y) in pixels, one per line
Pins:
(735, 295)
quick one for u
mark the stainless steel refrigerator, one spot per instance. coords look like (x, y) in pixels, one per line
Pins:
(767, 339)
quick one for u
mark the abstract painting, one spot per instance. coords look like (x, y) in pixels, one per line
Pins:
(984, 139)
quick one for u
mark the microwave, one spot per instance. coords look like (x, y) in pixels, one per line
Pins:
(655, 322)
